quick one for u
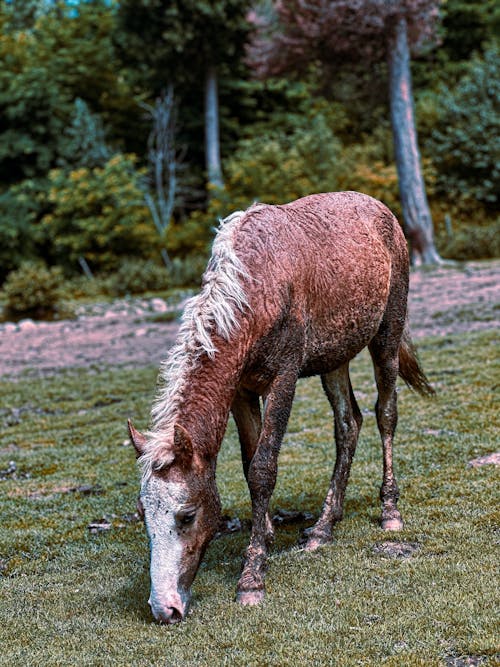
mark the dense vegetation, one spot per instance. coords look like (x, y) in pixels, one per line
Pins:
(77, 172)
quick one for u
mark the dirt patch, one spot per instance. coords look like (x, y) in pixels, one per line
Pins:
(455, 299)
(444, 300)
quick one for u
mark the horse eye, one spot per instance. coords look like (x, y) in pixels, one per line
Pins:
(186, 519)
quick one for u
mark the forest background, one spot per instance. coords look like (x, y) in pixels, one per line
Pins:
(92, 92)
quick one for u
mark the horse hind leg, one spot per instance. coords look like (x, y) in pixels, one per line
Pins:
(386, 364)
(247, 415)
(347, 420)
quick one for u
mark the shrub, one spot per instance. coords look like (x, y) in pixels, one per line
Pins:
(19, 207)
(282, 165)
(33, 290)
(467, 242)
(364, 169)
(465, 143)
(187, 272)
(99, 214)
(137, 276)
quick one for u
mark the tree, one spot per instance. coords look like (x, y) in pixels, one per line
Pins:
(186, 43)
(298, 32)
(44, 67)
(86, 142)
(164, 162)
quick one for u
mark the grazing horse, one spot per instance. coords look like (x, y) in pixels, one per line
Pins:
(290, 291)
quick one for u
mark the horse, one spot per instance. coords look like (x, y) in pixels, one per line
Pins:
(290, 291)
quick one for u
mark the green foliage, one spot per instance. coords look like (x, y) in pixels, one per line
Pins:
(472, 242)
(465, 142)
(19, 207)
(133, 276)
(366, 168)
(33, 289)
(86, 143)
(467, 25)
(43, 69)
(279, 164)
(99, 214)
(187, 271)
(180, 38)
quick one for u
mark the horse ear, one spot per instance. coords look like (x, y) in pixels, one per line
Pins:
(138, 439)
(183, 446)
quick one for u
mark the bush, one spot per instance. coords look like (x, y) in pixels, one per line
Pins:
(187, 272)
(465, 143)
(19, 207)
(99, 214)
(33, 290)
(466, 243)
(135, 277)
(284, 164)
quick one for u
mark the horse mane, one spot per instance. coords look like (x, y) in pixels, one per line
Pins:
(214, 310)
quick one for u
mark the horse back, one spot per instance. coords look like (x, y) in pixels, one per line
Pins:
(321, 271)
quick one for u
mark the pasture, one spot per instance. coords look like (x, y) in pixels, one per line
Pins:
(74, 559)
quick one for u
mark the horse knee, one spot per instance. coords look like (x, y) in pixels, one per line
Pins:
(262, 473)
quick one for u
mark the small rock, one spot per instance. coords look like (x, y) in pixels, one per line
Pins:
(10, 471)
(141, 332)
(158, 305)
(99, 526)
(26, 325)
(10, 327)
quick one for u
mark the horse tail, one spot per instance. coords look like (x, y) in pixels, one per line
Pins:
(410, 369)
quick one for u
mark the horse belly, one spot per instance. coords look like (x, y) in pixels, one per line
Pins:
(343, 320)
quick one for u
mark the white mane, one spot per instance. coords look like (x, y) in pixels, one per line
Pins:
(214, 309)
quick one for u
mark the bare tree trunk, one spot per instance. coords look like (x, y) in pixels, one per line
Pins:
(164, 162)
(416, 212)
(212, 143)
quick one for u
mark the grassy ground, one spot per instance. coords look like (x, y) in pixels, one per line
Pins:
(70, 597)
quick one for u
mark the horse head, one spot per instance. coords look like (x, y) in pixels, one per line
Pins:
(180, 506)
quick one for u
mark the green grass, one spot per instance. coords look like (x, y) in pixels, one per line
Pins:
(68, 597)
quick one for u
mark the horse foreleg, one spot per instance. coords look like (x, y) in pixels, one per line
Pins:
(247, 415)
(262, 473)
(348, 420)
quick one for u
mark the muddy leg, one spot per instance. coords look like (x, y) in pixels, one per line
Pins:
(348, 419)
(246, 413)
(386, 373)
(261, 480)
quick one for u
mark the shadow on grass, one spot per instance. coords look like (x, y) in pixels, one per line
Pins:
(133, 597)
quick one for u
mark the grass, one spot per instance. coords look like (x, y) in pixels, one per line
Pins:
(69, 597)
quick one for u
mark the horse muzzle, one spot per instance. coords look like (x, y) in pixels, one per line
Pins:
(169, 609)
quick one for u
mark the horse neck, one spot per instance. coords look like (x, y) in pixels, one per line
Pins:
(207, 395)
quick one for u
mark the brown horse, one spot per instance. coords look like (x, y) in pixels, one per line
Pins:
(290, 291)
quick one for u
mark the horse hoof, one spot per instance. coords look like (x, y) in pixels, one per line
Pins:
(310, 539)
(393, 524)
(250, 598)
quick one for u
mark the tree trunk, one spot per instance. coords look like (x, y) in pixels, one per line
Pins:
(416, 212)
(212, 143)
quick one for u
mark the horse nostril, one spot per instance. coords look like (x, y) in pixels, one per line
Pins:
(169, 616)
(176, 615)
